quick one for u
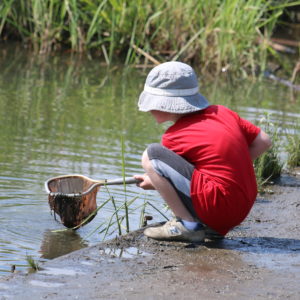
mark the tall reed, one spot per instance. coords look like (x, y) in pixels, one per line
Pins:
(123, 174)
(215, 34)
(124, 208)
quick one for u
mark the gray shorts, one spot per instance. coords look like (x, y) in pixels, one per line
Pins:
(176, 169)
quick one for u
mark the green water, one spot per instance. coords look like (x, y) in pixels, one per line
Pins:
(67, 114)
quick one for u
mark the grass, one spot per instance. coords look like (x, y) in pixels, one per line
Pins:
(268, 166)
(200, 32)
(32, 263)
(119, 220)
(123, 175)
(293, 148)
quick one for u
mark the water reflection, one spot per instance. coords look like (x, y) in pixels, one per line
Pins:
(56, 244)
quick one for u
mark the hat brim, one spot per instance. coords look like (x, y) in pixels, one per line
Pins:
(179, 105)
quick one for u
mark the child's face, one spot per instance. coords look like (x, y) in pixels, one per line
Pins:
(161, 116)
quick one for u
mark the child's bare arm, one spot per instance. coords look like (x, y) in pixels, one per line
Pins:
(260, 144)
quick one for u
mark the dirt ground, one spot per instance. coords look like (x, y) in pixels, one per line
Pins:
(258, 260)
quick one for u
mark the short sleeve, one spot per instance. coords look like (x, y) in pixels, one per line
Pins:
(249, 130)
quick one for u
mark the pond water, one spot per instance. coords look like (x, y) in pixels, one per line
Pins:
(67, 114)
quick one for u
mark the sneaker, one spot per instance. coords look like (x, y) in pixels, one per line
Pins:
(212, 234)
(175, 231)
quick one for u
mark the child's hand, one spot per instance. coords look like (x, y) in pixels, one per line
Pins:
(145, 183)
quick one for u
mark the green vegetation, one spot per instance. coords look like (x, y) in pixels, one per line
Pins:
(121, 214)
(293, 148)
(215, 34)
(126, 208)
(32, 263)
(268, 166)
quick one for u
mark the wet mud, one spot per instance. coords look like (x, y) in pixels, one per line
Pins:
(260, 259)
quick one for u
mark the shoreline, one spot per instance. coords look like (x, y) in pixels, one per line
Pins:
(259, 259)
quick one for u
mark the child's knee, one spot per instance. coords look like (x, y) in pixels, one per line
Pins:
(145, 160)
(154, 150)
(148, 155)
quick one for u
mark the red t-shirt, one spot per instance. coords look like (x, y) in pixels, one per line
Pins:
(216, 141)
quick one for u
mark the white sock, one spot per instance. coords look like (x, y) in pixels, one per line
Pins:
(190, 225)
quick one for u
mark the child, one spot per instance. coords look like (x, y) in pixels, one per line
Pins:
(203, 168)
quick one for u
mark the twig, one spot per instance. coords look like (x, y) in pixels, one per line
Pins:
(295, 71)
(148, 56)
(277, 46)
(283, 81)
(144, 66)
(286, 42)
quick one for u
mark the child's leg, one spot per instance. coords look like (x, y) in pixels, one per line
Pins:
(171, 176)
(166, 190)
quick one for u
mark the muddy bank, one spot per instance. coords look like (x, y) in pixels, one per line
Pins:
(258, 260)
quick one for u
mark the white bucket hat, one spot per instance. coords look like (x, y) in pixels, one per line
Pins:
(172, 87)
